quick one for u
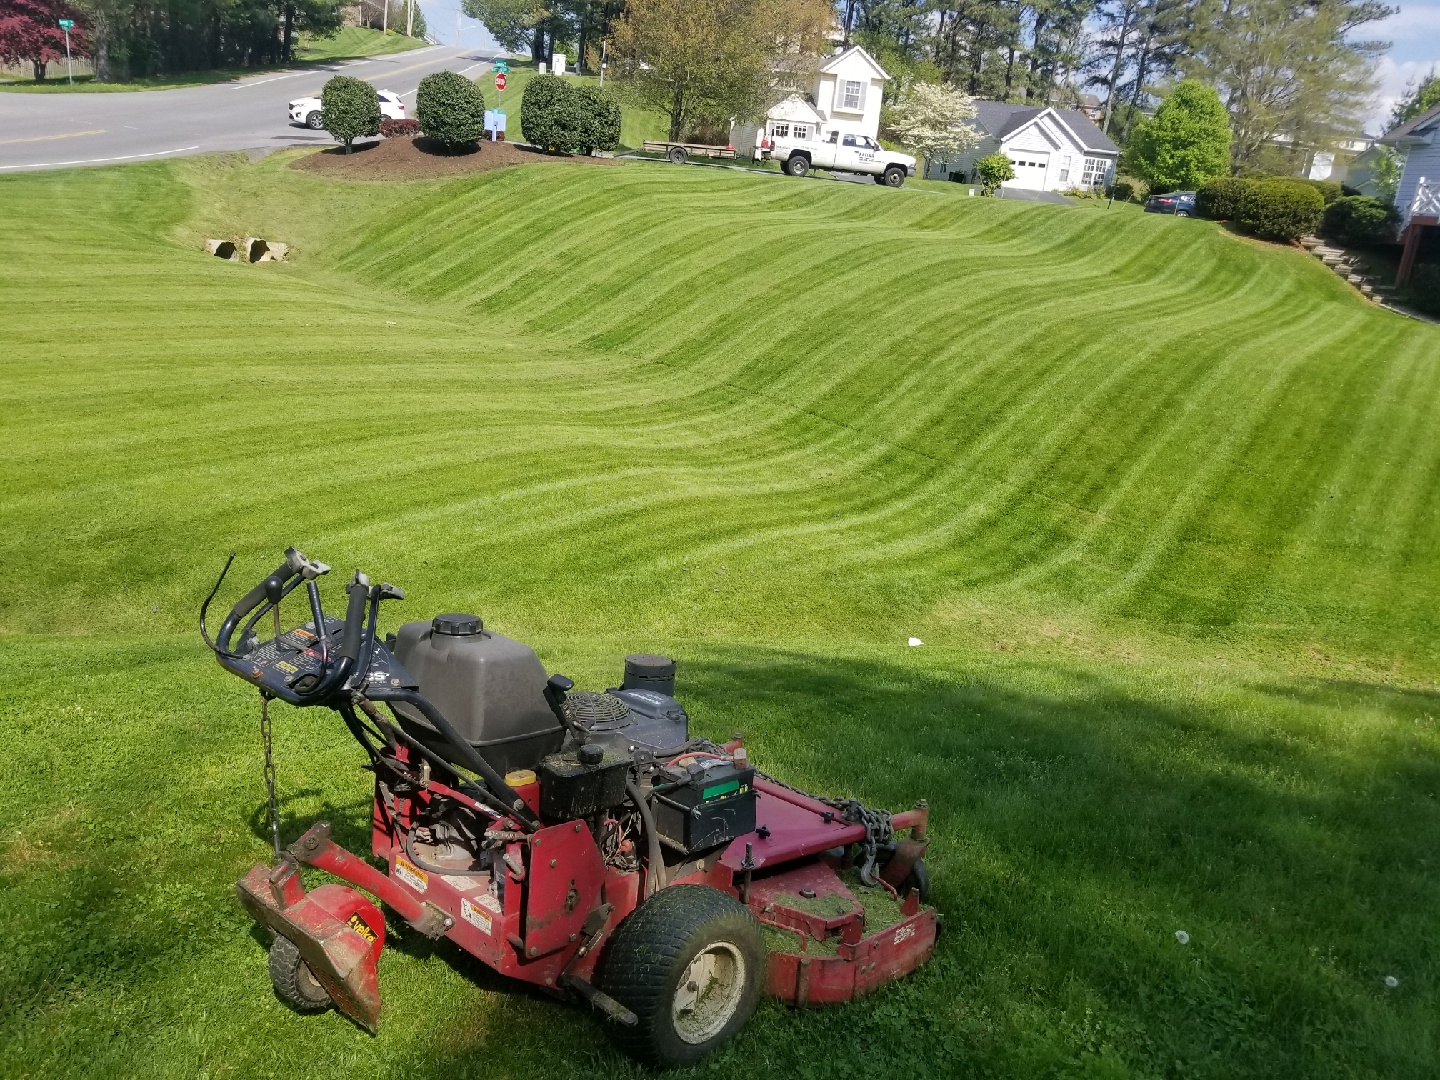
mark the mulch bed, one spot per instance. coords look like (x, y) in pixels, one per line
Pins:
(418, 158)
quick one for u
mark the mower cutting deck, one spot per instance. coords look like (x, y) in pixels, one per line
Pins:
(660, 878)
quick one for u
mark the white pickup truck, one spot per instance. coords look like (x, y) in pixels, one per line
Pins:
(843, 153)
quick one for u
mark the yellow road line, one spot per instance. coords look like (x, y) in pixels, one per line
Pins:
(47, 138)
(397, 71)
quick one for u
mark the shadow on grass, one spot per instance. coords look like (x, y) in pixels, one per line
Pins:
(1075, 830)
(1079, 820)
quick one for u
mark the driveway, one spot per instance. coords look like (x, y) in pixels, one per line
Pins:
(39, 131)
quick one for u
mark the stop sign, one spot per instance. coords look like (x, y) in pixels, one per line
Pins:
(499, 80)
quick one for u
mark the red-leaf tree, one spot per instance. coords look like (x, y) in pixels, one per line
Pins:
(30, 33)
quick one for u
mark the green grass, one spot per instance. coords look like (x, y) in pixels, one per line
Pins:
(353, 42)
(636, 123)
(1160, 502)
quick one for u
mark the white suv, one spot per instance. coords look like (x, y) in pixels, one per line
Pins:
(306, 110)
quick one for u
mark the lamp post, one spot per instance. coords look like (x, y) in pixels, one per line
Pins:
(66, 24)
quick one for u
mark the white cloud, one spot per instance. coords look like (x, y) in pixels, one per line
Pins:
(1396, 77)
(1410, 20)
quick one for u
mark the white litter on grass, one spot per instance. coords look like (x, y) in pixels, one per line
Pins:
(914, 641)
(1391, 981)
(1182, 937)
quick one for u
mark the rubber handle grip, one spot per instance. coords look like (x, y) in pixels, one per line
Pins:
(273, 582)
(354, 620)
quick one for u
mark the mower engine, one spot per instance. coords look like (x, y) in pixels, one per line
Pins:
(559, 834)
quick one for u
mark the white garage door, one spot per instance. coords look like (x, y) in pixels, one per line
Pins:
(1029, 170)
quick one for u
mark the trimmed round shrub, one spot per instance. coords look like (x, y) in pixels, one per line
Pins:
(548, 114)
(398, 129)
(1280, 209)
(451, 109)
(992, 171)
(349, 108)
(1330, 190)
(1219, 200)
(1123, 190)
(1358, 219)
(599, 116)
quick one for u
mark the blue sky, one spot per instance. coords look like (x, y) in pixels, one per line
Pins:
(440, 18)
(1415, 32)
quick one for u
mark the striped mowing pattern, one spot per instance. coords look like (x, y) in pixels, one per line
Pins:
(860, 405)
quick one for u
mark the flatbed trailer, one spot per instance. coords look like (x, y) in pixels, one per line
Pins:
(678, 152)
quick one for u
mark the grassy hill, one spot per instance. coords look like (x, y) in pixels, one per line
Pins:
(1160, 501)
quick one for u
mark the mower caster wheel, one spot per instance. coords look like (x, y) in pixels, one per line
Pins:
(295, 983)
(690, 964)
(919, 880)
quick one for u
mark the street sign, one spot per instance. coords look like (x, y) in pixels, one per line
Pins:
(67, 23)
(502, 66)
(500, 80)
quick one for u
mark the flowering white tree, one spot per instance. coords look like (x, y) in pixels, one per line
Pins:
(934, 120)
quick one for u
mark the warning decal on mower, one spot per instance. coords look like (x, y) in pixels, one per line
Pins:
(474, 916)
(410, 874)
(904, 932)
(361, 927)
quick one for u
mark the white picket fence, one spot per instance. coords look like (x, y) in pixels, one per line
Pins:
(55, 70)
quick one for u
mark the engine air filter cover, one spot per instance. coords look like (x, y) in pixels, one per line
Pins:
(646, 671)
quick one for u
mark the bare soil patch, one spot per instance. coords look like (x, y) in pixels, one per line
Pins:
(418, 158)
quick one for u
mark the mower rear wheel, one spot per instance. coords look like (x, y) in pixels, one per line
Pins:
(690, 964)
(295, 983)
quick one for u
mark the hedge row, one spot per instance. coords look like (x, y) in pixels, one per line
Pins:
(1358, 219)
(559, 116)
(1273, 209)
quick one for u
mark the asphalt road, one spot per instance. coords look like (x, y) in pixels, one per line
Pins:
(40, 131)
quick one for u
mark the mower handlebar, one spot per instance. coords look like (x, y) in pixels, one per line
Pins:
(270, 588)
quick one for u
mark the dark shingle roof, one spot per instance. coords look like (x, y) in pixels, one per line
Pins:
(1000, 118)
(1415, 125)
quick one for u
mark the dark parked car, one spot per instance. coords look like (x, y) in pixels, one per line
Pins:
(1179, 203)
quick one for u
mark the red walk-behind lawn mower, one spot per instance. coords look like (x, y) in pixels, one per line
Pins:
(581, 842)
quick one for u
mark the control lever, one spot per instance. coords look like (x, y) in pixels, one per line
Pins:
(391, 592)
(556, 687)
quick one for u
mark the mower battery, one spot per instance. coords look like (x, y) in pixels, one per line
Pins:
(712, 807)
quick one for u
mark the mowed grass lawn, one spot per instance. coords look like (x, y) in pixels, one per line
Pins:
(1160, 502)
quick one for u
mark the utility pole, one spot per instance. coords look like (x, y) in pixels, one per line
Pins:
(385, 18)
(458, 40)
(410, 20)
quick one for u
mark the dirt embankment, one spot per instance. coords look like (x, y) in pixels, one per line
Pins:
(419, 158)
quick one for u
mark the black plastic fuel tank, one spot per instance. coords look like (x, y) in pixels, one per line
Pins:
(489, 686)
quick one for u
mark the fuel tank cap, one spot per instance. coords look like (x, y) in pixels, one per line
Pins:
(455, 625)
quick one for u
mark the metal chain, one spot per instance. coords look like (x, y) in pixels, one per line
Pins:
(878, 827)
(270, 774)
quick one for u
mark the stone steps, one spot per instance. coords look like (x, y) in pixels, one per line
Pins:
(1349, 267)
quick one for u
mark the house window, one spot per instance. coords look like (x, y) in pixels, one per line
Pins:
(851, 98)
(1096, 170)
(779, 130)
(1064, 176)
(802, 131)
